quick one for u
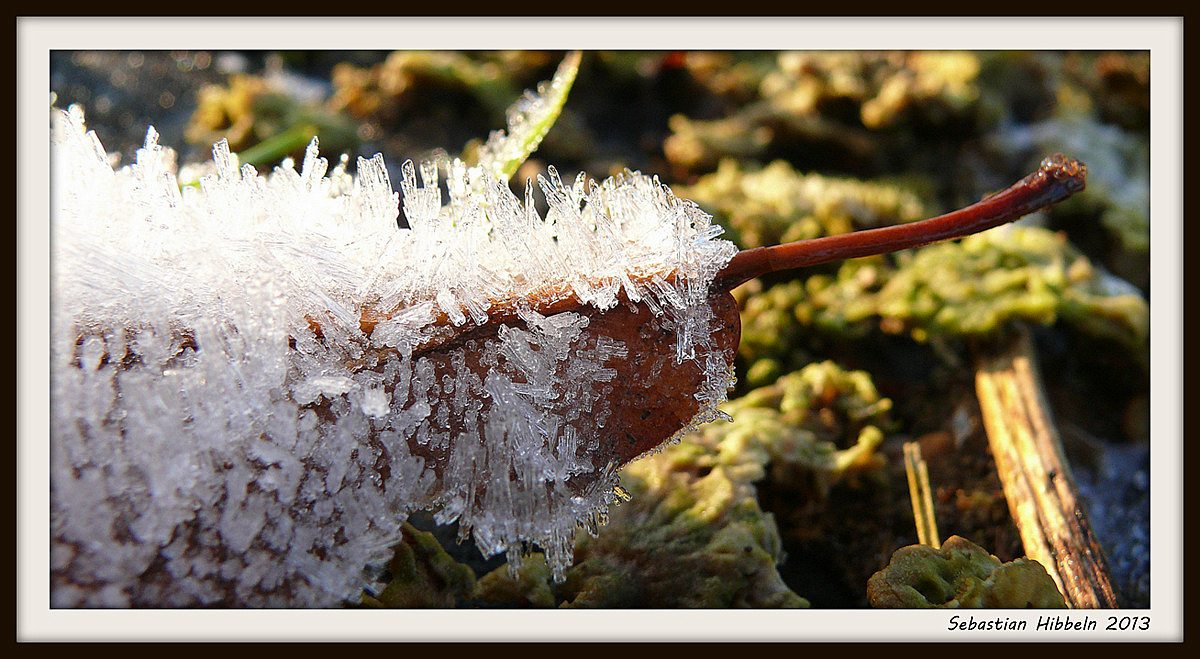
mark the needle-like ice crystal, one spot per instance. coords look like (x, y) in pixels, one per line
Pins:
(227, 430)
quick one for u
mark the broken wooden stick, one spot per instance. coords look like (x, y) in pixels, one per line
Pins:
(1041, 491)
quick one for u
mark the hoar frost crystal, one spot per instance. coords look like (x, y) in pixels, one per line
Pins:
(254, 381)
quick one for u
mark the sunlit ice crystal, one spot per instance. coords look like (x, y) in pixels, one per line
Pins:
(225, 428)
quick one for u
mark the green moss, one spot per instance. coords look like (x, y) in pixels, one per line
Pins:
(968, 288)
(691, 536)
(971, 287)
(882, 89)
(387, 89)
(771, 333)
(423, 575)
(263, 121)
(809, 428)
(961, 575)
(530, 589)
(684, 540)
(842, 101)
(776, 204)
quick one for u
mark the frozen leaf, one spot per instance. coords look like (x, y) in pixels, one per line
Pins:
(255, 383)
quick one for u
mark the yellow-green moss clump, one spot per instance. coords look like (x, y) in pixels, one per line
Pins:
(688, 538)
(883, 86)
(387, 89)
(970, 287)
(842, 100)
(228, 112)
(423, 575)
(961, 575)
(265, 121)
(531, 588)
(808, 429)
(776, 204)
(959, 289)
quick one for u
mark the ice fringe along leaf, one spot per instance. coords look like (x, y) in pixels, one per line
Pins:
(232, 426)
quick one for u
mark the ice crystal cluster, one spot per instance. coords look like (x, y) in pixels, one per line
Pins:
(228, 431)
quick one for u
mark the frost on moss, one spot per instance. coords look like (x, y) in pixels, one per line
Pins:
(422, 575)
(968, 288)
(961, 575)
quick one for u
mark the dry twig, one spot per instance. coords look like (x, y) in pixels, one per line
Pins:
(922, 497)
(1041, 491)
